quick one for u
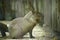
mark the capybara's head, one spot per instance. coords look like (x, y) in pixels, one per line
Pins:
(37, 16)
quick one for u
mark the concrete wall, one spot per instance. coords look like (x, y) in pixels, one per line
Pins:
(17, 5)
(54, 15)
(58, 15)
(20, 7)
(47, 12)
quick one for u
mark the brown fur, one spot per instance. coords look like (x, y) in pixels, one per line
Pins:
(20, 26)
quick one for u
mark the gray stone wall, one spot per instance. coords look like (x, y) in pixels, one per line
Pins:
(47, 12)
(17, 5)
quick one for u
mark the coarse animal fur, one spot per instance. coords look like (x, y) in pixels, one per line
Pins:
(20, 26)
(3, 29)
